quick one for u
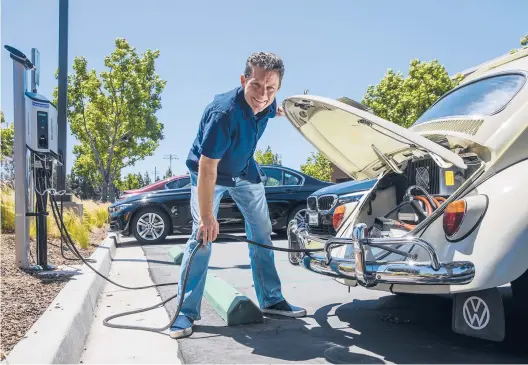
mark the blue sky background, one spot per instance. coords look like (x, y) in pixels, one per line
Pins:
(333, 49)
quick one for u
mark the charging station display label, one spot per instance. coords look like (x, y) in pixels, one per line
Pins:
(40, 105)
(449, 178)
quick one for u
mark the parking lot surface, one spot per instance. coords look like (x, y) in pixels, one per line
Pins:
(362, 326)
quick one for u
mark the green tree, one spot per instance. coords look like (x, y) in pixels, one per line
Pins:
(113, 114)
(7, 137)
(146, 179)
(267, 157)
(402, 99)
(130, 182)
(141, 182)
(168, 173)
(318, 166)
(7, 168)
(524, 40)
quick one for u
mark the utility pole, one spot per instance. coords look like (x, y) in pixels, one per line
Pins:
(170, 157)
(62, 92)
(155, 174)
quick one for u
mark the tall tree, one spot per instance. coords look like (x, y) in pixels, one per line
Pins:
(7, 137)
(318, 166)
(146, 178)
(168, 173)
(267, 157)
(402, 99)
(141, 182)
(113, 114)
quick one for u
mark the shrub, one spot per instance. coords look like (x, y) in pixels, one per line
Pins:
(95, 215)
(7, 213)
(77, 230)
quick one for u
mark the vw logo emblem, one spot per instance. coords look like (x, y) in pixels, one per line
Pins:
(476, 313)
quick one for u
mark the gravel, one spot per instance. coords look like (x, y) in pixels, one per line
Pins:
(25, 295)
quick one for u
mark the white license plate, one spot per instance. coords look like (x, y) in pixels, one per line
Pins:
(313, 219)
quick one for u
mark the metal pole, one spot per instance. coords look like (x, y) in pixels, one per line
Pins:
(63, 91)
(21, 163)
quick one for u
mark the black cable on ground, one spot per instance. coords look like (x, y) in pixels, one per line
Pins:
(71, 245)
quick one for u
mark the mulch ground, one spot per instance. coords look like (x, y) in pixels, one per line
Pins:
(25, 296)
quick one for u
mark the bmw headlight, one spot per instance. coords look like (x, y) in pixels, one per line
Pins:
(351, 197)
(119, 208)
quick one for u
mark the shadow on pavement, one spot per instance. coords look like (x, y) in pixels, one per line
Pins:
(399, 329)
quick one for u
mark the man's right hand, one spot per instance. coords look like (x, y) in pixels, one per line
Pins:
(208, 229)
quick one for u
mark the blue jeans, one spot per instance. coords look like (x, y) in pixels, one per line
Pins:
(251, 200)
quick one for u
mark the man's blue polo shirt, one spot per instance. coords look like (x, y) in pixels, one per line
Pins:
(229, 131)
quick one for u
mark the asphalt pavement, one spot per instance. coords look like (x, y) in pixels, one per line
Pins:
(362, 326)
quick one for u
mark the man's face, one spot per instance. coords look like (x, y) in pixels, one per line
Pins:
(260, 88)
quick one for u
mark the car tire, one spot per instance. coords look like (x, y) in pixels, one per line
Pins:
(150, 225)
(297, 212)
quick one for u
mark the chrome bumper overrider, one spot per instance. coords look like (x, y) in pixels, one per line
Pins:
(371, 273)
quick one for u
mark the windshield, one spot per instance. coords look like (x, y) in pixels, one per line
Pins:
(484, 97)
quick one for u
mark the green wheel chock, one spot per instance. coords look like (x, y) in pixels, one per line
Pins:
(231, 305)
(176, 254)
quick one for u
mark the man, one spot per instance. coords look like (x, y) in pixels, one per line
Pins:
(220, 159)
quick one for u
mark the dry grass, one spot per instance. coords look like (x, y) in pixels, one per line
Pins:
(94, 217)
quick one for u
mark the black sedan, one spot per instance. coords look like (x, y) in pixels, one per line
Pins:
(150, 217)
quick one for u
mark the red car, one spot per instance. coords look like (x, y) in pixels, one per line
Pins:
(174, 182)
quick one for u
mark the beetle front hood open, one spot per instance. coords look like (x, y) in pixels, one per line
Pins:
(359, 143)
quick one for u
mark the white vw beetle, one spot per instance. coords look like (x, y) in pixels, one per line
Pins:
(448, 212)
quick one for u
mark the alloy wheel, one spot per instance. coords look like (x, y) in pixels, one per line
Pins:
(150, 226)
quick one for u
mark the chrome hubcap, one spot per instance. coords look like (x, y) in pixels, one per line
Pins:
(150, 226)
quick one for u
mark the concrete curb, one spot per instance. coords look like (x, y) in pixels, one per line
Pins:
(176, 254)
(59, 335)
(231, 305)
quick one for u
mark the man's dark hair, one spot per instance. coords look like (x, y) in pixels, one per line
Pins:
(267, 61)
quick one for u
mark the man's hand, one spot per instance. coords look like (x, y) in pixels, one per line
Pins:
(208, 229)
(280, 111)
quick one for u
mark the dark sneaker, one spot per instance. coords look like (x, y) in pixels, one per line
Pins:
(182, 327)
(285, 309)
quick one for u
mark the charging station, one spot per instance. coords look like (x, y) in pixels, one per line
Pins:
(36, 157)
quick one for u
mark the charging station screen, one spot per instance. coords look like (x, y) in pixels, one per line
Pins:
(42, 121)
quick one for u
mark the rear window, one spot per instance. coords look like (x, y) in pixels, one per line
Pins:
(485, 97)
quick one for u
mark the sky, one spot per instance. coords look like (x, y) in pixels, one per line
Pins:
(333, 49)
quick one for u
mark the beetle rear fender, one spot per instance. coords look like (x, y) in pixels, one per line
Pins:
(499, 246)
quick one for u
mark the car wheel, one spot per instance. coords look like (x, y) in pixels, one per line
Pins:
(150, 225)
(299, 215)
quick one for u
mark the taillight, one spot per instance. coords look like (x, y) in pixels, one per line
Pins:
(453, 216)
(339, 213)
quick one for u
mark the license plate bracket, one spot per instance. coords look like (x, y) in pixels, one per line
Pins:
(313, 219)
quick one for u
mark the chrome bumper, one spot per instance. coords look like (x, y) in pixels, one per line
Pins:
(372, 273)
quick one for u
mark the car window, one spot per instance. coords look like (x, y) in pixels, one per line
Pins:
(290, 179)
(273, 177)
(485, 97)
(179, 183)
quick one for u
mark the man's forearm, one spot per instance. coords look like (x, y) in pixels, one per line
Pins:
(206, 185)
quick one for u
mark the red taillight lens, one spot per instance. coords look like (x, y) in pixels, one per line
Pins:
(337, 218)
(453, 216)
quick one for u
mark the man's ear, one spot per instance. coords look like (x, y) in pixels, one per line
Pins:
(243, 80)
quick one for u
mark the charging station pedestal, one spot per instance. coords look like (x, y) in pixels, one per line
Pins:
(35, 155)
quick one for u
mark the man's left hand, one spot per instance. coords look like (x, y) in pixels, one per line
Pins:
(280, 111)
